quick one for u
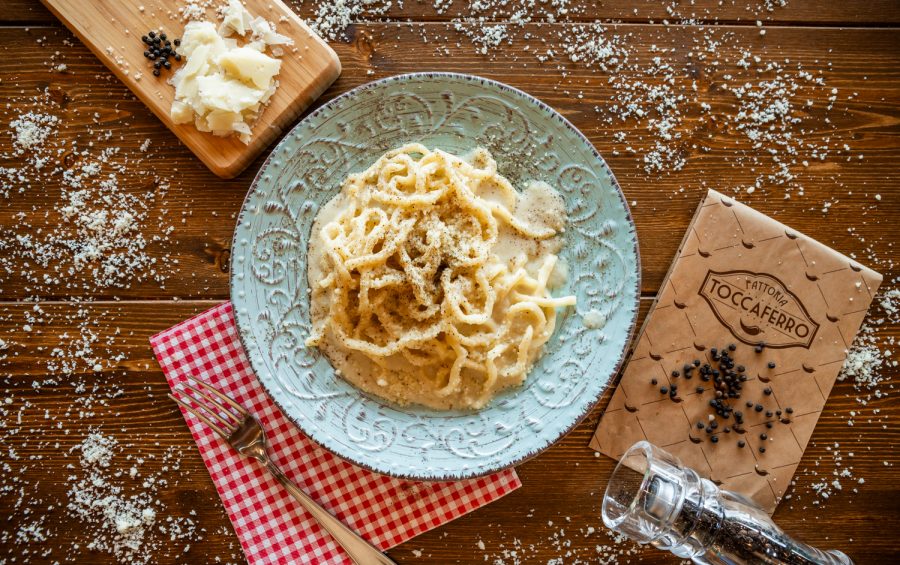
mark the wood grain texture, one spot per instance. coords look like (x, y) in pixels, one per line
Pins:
(112, 30)
(795, 12)
(202, 208)
(563, 485)
(556, 515)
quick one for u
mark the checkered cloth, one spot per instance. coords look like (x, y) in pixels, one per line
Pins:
(271, 525)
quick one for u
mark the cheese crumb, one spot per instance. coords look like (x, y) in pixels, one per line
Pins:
(222, 87)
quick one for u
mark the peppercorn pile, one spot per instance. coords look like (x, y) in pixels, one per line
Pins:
(159, 50)
(726, 380)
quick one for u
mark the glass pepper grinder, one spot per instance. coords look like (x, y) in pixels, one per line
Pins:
(652, 498)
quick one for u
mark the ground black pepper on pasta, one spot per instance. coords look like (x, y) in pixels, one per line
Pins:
(440, 277)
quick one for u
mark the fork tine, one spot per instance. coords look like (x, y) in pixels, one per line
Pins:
(197, 413)
(241, 410)
(217, 411)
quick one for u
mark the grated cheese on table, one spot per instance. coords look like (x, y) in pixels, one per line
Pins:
(31, 129)
(333, 17)
(123, 518)
(86, 219)
(663, 98)
(666, 99)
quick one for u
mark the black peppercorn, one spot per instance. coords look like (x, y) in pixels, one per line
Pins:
(763, 436)
(675, 374)
(700, 425)
(177, 42)
(714, 439)
(654, 382)
(758, 407)
(741, 443)
(663, 389)
(789, 410)
(700, 389)
(732, 347)
(160, 50)
(762, 449)
(771, 364)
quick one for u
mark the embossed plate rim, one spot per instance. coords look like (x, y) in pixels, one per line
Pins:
(470, 472)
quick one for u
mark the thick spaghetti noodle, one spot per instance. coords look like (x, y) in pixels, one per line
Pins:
(430, 275)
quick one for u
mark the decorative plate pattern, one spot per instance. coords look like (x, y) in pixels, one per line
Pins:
(456, 113)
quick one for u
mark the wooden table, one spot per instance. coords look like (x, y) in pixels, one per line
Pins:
(855, 43)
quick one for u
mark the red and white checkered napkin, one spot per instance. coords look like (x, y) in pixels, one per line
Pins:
(271, 526)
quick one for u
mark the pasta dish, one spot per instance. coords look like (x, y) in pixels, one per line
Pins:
(431, 276)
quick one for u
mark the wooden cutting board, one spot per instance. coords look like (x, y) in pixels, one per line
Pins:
(112, 29)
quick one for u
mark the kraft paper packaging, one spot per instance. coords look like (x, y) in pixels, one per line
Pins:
(740, 278)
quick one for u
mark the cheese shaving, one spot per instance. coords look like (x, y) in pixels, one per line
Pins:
(223, 86)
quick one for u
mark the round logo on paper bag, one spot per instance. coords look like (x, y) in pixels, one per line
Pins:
(758, 308)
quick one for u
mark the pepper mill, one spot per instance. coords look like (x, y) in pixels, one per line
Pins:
(653, 498)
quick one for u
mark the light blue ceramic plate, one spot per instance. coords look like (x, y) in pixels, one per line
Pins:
(455, 113)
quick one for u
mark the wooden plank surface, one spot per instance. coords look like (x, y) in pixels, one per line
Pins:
(200, 207)
(563, 486)
(795, 12)
(556, 515)
(112, 30)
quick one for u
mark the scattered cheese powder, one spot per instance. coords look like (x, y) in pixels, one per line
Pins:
(32, 129)
(593, 319)
(667, 97)
(99, 226)
(223, 87)
(85, 222)
(123, 522)
(333, 17)
(97, 449)
(862, 365)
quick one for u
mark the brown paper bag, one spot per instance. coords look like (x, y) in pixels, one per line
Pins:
(745, 279)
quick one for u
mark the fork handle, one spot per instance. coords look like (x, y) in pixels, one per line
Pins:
(360, 551)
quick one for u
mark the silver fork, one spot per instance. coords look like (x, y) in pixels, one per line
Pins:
(246, 435)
